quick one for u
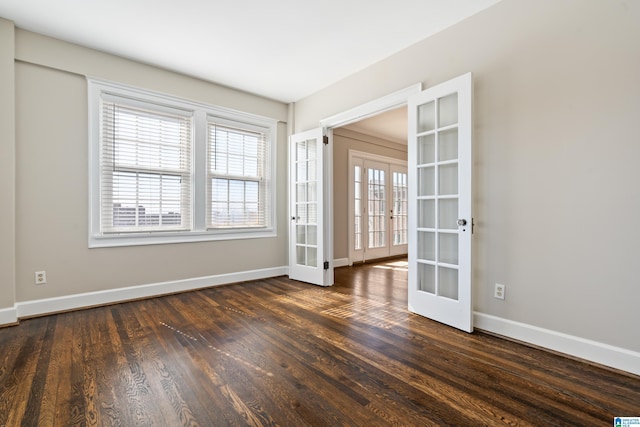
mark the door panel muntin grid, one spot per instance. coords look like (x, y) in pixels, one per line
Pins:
(306, 203)
(437, 207)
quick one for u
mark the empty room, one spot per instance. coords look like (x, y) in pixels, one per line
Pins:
(319, 213)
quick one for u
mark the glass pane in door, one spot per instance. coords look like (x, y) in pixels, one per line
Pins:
(448, 179)
(448, 248)
(426, 213)
(448, 283)
(426, 278)
(426, 117)
(448, 145)
(426, 246)
(426, 181)
(448, 214)
(448, 110)
(426, 149)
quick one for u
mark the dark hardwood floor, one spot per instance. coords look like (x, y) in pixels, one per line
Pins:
(279, 352)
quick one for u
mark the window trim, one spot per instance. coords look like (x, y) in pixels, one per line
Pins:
(201, 111)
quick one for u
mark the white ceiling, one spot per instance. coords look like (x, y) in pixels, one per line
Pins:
(280, 49)
(390, 125)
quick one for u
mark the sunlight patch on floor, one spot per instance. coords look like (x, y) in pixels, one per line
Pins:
(396, 265)
(372, 312)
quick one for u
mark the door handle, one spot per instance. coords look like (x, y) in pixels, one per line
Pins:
(462, 222)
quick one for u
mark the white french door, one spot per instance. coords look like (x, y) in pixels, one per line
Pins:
(440, 221)
(376, 215)
(399, 210)
(378, 207)
(306, 210)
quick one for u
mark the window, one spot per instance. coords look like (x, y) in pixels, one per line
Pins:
(167, 170)
(237, 186)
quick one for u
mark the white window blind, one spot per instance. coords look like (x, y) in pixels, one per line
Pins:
(145, 167)
(237, 183)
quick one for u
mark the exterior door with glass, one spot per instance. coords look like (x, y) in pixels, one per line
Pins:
(399, 210)
(376, 210)
(378, 207)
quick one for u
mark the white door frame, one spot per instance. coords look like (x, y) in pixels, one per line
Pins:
(386, 103)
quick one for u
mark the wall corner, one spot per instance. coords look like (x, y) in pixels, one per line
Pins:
(7, 171)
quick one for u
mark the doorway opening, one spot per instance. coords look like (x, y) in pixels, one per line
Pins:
(439, 194)
(370, 188)
(370, 198)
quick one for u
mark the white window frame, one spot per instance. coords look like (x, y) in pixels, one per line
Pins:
(199, 231)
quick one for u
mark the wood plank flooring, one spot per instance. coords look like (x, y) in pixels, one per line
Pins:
(278, 352)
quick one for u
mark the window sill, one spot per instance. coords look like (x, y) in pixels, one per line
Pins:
(163, 238)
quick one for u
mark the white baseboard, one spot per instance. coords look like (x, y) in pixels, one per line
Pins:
(90, 299)
(340, 262)
(604, 354)
(8, 316)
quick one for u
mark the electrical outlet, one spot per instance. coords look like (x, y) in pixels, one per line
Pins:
(41, 277)
(499, 291)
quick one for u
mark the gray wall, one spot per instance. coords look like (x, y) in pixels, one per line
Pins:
(343, 141)
(7, 167)
(556, 150)
(52, 177)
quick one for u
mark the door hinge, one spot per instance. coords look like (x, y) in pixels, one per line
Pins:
(326, 265)
(325, 139)
(473, 226)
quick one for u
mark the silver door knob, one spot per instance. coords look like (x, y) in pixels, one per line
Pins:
(462, 222)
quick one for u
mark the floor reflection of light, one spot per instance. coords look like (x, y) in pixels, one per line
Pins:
(385, 279)
(400, 263)
(388, 266)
